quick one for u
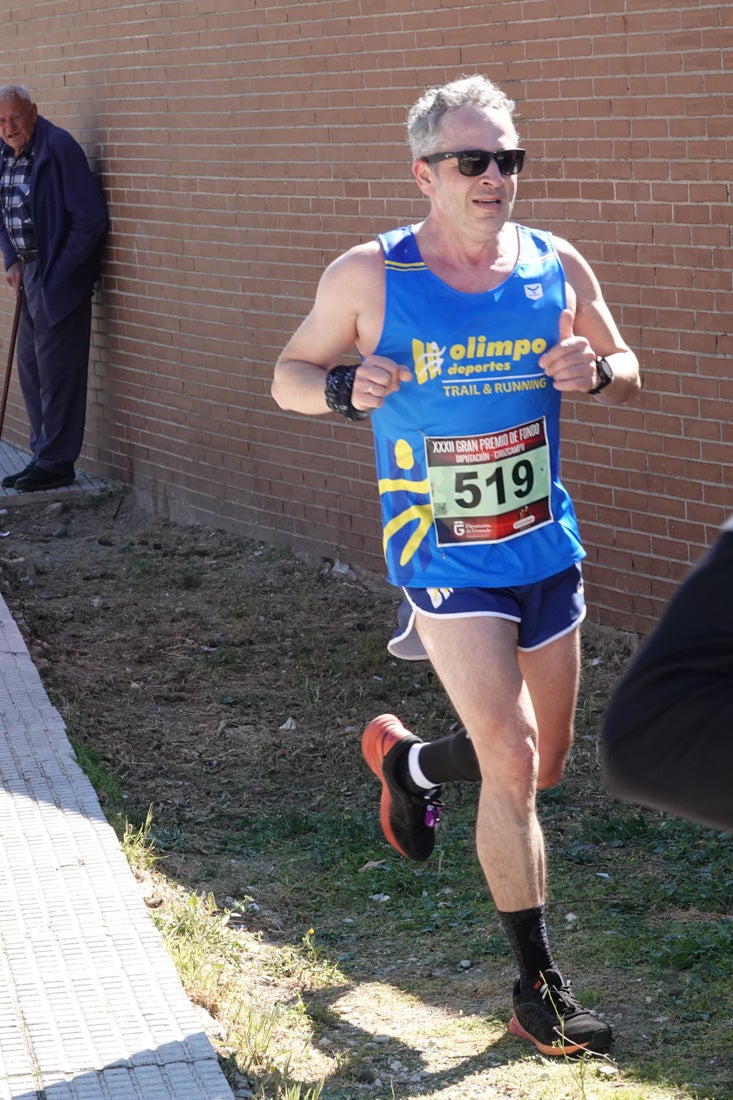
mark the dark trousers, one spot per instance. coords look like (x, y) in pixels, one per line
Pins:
(53, 362)
(667, 739)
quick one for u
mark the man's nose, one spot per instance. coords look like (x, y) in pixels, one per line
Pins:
(492, 173)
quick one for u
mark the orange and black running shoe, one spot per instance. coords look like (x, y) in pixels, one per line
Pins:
(550, 1017)
(408, 819)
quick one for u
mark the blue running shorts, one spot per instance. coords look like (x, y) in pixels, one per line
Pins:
(543, 611)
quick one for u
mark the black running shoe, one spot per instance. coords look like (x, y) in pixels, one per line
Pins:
(408, 820)
(550, 1017)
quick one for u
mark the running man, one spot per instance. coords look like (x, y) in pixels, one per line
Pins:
(470, 328)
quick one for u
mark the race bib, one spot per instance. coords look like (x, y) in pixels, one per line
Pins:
(487, 488)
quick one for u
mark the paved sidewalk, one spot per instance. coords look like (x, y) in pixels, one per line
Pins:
(90, 1003)
(12, 459)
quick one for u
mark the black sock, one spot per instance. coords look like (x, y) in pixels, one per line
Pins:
(449, 758)
(402, 770)
(527, 935)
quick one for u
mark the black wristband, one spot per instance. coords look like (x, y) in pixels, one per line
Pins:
(605, 375)
(339, 384)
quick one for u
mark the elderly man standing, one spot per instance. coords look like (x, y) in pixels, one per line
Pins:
(54, 218)
(470, 328)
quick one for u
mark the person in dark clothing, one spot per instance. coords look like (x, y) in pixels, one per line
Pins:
(667, 739)
(53, 220)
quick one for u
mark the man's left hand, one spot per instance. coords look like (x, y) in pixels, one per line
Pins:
(570, 364)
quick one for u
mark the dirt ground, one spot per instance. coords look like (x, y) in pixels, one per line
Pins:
(202, 666)
(218, 680)
(209, 673)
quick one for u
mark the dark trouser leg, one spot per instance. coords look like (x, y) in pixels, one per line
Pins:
(668, 730)
(30, 386)
(52, 370)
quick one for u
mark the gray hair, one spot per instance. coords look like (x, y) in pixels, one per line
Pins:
(424, 118)
(15, 90)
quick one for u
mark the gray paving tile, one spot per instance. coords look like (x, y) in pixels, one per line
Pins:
(13, 459)
(91, 1007)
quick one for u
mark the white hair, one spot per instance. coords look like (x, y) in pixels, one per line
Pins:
(424, 117)
(17, 91)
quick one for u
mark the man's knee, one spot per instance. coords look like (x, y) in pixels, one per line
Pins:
(555, 743)
(511, 762)
(551, 768)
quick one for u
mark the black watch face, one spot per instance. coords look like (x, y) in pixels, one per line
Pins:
(605, 374)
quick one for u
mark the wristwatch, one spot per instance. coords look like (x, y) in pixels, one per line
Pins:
(605, 374)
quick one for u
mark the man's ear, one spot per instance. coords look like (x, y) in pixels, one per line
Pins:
(423, 176)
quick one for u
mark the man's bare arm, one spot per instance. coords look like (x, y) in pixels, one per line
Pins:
(592, 331)
(346, 316)
(328, 332)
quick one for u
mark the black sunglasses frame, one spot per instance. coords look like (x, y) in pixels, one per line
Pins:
(509, 161)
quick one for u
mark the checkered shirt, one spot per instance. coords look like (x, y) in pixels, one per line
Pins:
(15, 201)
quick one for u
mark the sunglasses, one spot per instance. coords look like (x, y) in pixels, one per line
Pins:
(474, 162)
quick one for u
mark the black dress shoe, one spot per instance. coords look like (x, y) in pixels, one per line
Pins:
(10, 481)
(39, 479)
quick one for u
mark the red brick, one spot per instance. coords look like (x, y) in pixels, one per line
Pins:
(242, 147)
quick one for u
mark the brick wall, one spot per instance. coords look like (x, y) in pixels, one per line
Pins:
(245, 143)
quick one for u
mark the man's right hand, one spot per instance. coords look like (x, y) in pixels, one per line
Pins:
(376, 378)
(14, 277)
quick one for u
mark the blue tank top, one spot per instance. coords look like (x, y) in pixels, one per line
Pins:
(467, 453)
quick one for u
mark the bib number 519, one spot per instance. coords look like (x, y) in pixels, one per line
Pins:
(468, 490)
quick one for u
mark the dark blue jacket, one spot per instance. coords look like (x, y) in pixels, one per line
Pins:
(69, 214)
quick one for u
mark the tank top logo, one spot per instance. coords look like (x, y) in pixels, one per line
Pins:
(427, 359)
(477, 355)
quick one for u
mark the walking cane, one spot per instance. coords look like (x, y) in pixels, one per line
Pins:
(11, 353)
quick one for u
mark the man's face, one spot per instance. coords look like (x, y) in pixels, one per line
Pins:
(480, 204)
(17, 122)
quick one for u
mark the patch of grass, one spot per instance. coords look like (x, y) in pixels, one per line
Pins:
(100, 501)
(337, 878)
(139, 847)
(263, 1038)
(108, 788)
(704, 948)
(143, 568)
(190, 578)
(325, 877)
